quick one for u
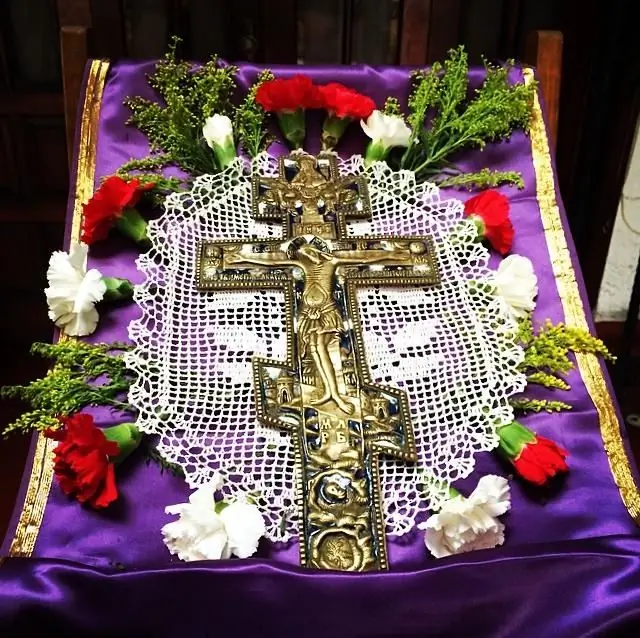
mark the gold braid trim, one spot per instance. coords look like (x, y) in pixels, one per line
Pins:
(35, 501)
(588, 364)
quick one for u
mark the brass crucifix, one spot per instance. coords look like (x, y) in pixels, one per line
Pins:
(323, 394)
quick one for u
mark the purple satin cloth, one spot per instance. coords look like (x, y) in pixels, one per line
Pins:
(565, 590)
(569, 566)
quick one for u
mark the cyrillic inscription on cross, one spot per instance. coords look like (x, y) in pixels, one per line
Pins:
(323, 394)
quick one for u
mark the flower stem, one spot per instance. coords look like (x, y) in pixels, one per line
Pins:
(120, 405)
(225, 154)
(133, 225)
(292, 126)
(513, 437)
(332, 131)
(127, 436)
(376, 152)
(117, 289)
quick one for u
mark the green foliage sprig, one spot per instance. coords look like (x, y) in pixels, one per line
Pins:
(547, 349)
(190, 96)
(151, 163)
(547, 380)
(163, 185)
(152, 454)
(547, 359)
(392, 107)
(83, 374)
(486, 178)
(250, 118)
(525, 404)
(444, 121)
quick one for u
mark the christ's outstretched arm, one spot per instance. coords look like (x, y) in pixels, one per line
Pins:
(241, 255)
(399, 256)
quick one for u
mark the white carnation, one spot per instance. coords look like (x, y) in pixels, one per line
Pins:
(386, 130)
(244, 526)
(201, 533)
(73, 292)
(466, 524)
(218, 131)
(517, 284)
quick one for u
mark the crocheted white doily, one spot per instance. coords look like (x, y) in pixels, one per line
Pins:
(449, 347)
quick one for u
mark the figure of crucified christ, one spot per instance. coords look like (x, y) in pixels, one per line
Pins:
(320, 321)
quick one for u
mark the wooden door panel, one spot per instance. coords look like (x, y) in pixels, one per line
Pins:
(374, 31)
(278, 31)
(35, 59)
(481, 27)
(146, 27)
(107, 33)
(207, 27)
(444, 28)
(45, 143)
(322, 26)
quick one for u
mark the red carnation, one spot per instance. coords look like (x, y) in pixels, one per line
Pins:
(535, 458)
(342, 101)
(490, 211)
(83, 461)
(110, 204)
(540, 461)
(288, 95)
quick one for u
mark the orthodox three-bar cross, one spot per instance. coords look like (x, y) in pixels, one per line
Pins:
(323, 394)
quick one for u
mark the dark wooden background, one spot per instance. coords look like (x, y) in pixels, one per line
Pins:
(599, 105)
(326, 31)
(599, 100)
